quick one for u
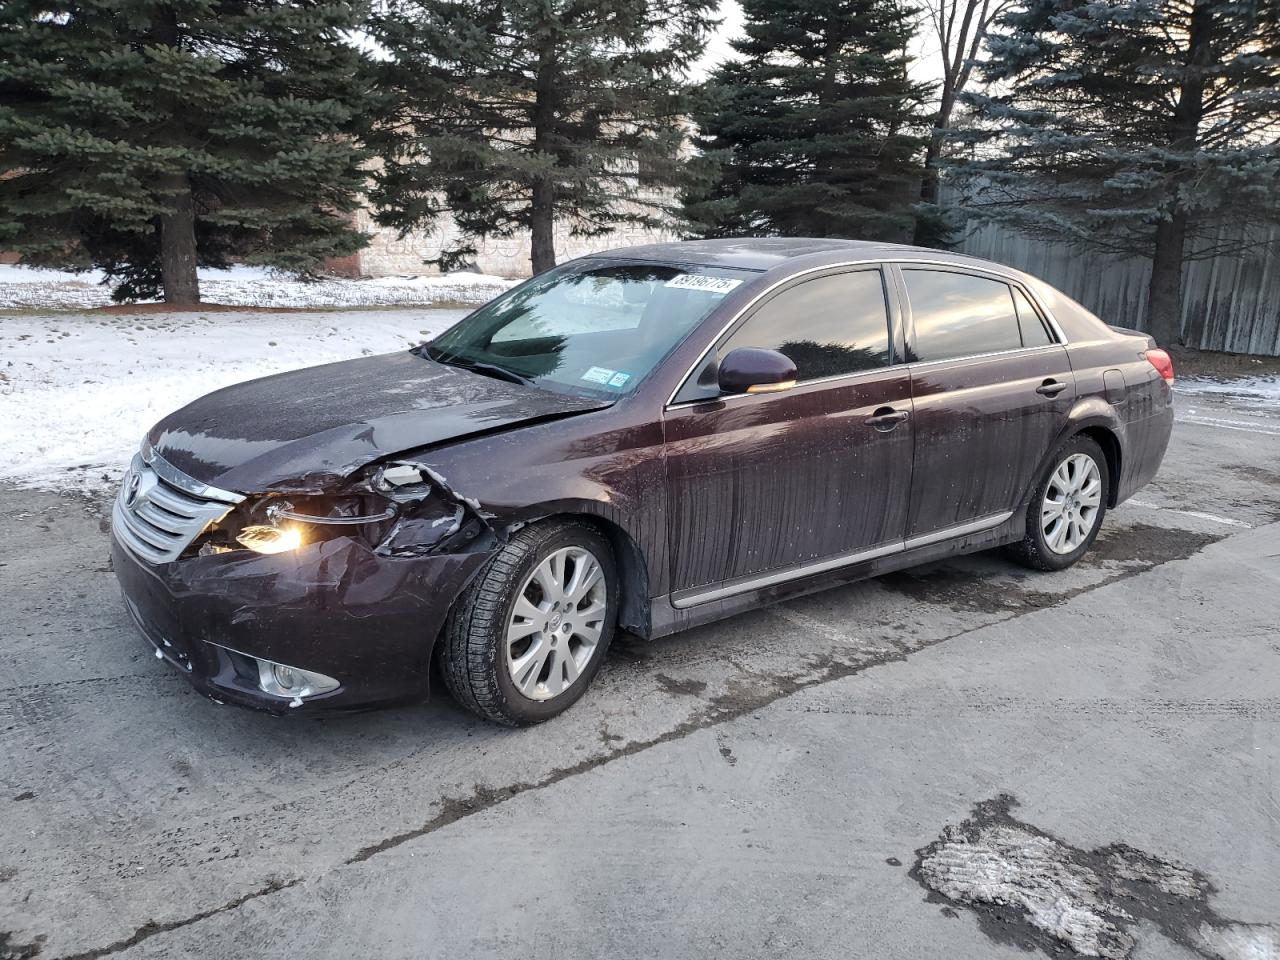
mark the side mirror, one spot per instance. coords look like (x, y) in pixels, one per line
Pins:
(753, 370)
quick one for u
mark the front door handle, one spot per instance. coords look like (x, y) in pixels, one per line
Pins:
(886, 418)
(1051, 388)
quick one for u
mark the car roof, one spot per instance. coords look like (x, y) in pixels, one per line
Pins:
(766, 253)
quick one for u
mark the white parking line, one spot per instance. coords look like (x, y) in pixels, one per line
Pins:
(1243, 425)
(1191, 513)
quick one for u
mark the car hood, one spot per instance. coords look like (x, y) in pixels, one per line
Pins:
(307, 429)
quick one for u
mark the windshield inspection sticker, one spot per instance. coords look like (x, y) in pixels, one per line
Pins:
(610, 378)
(691, 281)
(599, 375)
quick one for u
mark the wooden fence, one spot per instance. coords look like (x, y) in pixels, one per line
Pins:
(1228, 303)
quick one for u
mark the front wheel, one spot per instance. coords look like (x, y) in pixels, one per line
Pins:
(528, 635)
(1067, 508)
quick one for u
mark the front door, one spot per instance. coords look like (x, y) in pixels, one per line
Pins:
(991, 390)
(776, 482)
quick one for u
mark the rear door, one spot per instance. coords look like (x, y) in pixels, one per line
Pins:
(773, 482)
(991, 388)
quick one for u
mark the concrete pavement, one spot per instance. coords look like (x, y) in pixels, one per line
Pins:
(762, 787)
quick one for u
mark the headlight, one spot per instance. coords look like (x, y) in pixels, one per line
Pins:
(264, 539)
(338, 514)
(279, 524)
(371, 508)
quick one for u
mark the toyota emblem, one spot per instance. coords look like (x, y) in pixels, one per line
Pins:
(131, 486)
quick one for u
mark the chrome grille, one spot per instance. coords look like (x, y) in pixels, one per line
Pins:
(160, 510)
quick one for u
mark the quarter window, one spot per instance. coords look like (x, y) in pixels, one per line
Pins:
(960, 315)
(828, 326)
(1034, 332)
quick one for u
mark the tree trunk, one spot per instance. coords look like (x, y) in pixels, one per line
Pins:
(542, 216)
(178, 242)
(932, 156)
(1164, 303)
(178, 221)
(542, 226)
(1164, 297)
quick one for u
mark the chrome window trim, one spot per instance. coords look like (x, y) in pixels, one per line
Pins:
(868, 262)
(916, 364)
(684, 599)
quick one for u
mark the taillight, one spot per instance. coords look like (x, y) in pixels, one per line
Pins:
(1162, 362)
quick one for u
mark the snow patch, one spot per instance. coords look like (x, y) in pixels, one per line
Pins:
(1263, 390)
(1240, 941)
(25, 288)
(1035, 889)
(77, 392)
(1013, 867)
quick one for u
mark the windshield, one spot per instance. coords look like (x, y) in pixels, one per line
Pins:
(589, 327)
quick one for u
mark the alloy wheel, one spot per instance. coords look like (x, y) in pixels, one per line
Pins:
(556, 623)
(1071, 502)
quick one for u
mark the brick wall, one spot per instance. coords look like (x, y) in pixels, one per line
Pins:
(388, 254)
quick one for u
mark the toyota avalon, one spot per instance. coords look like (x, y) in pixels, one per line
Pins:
(645, 440)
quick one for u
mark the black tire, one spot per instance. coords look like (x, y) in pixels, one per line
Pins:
(1033, 549)
(473, 653)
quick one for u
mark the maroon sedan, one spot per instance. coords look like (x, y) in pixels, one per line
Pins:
(647, 439)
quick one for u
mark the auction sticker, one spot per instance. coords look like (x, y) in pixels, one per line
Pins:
(692, 281)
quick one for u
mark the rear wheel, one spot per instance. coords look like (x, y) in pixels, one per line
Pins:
(526, 638)
(1067, 508)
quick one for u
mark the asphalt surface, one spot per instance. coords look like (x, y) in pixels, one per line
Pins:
(839, 776)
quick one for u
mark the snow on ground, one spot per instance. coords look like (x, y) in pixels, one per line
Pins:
(77, 391)
(1264, 390)
(1099, 903)
(1248, 404)
(22, 288)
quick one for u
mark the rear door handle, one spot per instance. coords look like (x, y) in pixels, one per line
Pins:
(1051, 388)
(886, 418)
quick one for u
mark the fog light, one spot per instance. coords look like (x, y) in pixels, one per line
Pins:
(263, 539)
(285, 677)
(292, 683)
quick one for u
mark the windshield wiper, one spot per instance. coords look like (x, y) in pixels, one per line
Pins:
(476, 366)
(493, 370)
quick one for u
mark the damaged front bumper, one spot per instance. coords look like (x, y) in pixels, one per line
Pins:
(336, 607)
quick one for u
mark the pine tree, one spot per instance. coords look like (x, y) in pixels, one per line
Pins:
(513, 114)
(814, 129)
(149, 137)
(1134, 127)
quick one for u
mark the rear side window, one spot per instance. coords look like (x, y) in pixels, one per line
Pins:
(1034, 332)
(828, 326)
(959, 315)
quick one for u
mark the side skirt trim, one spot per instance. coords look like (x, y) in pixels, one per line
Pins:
(698, 595)
(959, 530)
